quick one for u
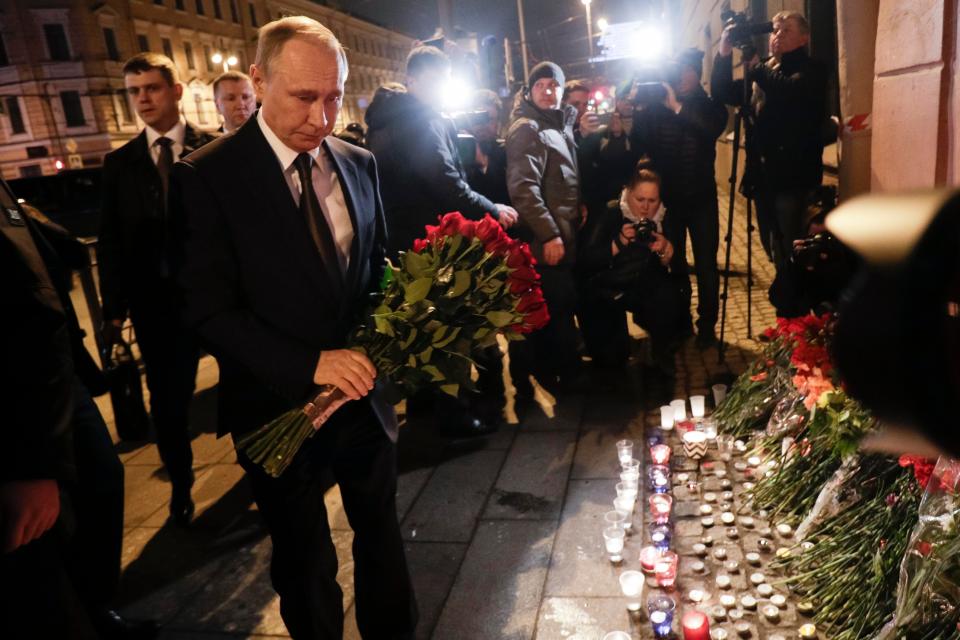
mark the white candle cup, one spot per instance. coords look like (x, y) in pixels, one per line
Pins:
(615, 518)
(697, 406)
(617, 635)
(695, 445)
(625, 504)
(631, 583)
(679, 409)
(719, 393)
(613, 540)
(626, 491)
(666, 417)
(625, 450)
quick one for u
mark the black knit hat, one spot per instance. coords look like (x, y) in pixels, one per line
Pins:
(546, 70)
(692, 58)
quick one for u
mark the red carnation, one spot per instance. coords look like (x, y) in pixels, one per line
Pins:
(922, 468)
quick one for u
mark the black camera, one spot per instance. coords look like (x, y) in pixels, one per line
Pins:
(818, 252)
(469, 119)
(649, 82)
(645, 228)
(744, 31)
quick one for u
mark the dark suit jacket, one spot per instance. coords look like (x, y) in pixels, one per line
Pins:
(254, 283)
(134, 228)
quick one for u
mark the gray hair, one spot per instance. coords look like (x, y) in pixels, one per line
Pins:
(797, 17)
(273, 35)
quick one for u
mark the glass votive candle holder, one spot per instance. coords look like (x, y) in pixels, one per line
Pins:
(625, 504)
(630, 465)
(613, 540)
(615, 518)
(631, 583)
(679, 409)
(630, 478)
(709, 426)
(697, 406)
(660, 610)
(666, 417)
(655, 438)
(626, 491)
(660, 454)
(660, 506)
(660, 536)
(659, 478)
(719, 393)
(625, 450)
(695, 445)
(649, 556)
(725, 446)
(665, 571)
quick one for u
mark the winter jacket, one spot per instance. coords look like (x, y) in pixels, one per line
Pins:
(682, 147)
(542, 175)
(421, 175)
(787, 138)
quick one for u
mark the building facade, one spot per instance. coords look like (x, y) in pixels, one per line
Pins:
(62, 101)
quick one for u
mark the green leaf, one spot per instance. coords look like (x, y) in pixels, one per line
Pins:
(410, 338)
(383, 326)
(417, 290)
(435, 374)
(461, 282)
(388, 275)
(417, 264)
(451, 336)
(425, 355)
(499, 318)
(450, 389)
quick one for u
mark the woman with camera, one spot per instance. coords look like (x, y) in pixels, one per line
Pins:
(624, 266)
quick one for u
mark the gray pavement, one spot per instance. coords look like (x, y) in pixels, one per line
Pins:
(503, 534)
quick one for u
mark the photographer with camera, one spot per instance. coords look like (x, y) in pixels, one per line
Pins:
(785, 125)
(624, 262)
(677, 124)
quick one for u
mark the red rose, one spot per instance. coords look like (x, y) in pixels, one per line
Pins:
(501, 246)
(923, 548)
(488, 231)
(420, 244)
(531, 300)
(521, 279)
(432, 231)
(520, 256)
(536, 319)
(450, 223)
(468, 229)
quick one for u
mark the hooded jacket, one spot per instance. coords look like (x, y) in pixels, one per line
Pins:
(542, 175)
(421, 175)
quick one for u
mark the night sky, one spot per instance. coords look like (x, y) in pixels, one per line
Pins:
(548, 35)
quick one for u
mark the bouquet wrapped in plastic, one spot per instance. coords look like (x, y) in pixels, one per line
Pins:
(460, 286)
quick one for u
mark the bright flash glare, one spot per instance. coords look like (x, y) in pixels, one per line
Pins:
(603, 24)
(650, 44)
(456, 94)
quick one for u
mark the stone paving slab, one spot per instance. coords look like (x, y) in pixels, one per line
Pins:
(562, 416)
(533, 480)
(582, 618)
(497, 592)
(452, 500)
(593, 459)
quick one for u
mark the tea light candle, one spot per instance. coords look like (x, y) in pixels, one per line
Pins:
(753, 461)
(763, 544)
(648, 558)
(660, 537)
(718, 634)
(660, 506)
(707, 522)
(710, 496)
(778, 600)
(723, 581)
(747, 521)
(718, 613)
(660, 454)
(740, 445)
(747, 486)
(617, 635)
(776, 636)
(720, 553)
(784, 530)
(805, 607)
(735, 614)
(696, 595)
(700, 549)
(748, 602)
(766, 532)
(721, 473)
(727, 495)
(753, 558)
(706, 509)
(732, 566)
(757, 578)
(725, 484)
(728, 600)
(707, 540)
(666, 417)
(808, 631)
(631, 583)
(698, 567)
(771, 613)
(732, 533)
(742, 629)
(696, 626)
(764, 590)
(783, 552)
(679, 409)
(683, 477)
(727, 518)
(697, 406)
(740, 466)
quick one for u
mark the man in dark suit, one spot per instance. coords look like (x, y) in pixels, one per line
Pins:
(134, 251)
(283, 240)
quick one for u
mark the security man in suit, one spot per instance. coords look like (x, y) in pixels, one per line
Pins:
(135, 261)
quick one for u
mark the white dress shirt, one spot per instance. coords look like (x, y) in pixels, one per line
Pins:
(326, 184)
(176, 134)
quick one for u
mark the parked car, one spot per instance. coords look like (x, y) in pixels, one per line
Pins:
(69, 198)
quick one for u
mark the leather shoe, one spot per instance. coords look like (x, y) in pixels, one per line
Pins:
(111, 625)
(181, 511)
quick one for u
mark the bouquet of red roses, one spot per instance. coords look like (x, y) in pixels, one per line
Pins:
(460, 286)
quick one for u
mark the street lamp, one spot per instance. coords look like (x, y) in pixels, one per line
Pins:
(227, 62)
(602, 24)
(586, 4)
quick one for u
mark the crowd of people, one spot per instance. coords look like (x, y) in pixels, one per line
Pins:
(260, 246)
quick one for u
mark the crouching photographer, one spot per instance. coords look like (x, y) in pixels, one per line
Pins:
(624, 266)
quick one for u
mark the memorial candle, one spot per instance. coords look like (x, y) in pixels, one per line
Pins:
(660, 454)
(665, 570)
(659, 476)
(696, 626)
(660, 537)
(660, 506)
(649, 556)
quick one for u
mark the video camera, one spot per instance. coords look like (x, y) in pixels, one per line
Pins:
(469, 119)
(743, 31)
(649, 82)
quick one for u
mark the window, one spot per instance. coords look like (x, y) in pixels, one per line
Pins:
(126, 115)
(110, 39)
(234, 14)
(217, 13)
(158, 2)
(208, 56)
(179, 5)
(17, 125)
(167, 47)
(72, 108)
(188, 54)
(143, 42)
(4, 60)
(56, 41)
(200, 10)
(253, 16)
(201, 116)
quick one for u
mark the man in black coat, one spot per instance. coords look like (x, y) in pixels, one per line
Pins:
(786, 139)
(134, 252)
(284, 238)
(679, 135)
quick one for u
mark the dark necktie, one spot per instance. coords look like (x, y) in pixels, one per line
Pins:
(165, 164)
(317, 222)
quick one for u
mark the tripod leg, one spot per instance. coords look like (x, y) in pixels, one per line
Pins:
(729, 236)
(749, 268)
